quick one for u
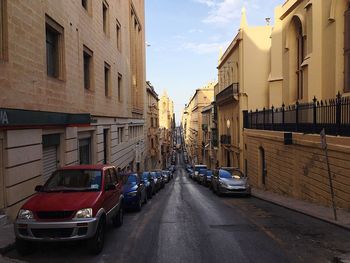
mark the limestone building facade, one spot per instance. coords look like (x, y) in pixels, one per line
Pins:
(308, 90)
(242, 74)
(192, 121)
(153, 150)
(72, 77)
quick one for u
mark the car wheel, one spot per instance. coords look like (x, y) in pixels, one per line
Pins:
(96, 243)
(24, 247)
(119, 218)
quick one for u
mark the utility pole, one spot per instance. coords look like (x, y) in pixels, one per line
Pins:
(325, 148)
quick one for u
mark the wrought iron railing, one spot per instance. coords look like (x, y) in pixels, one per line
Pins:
(332, 115)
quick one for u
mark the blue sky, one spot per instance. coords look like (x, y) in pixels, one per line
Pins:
(185, 36)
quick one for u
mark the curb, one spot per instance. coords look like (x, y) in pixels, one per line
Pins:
(302, 212)
(9, 247)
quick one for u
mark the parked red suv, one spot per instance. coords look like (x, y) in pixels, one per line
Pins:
(74, 204)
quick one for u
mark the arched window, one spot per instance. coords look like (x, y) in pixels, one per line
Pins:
(296, 49)
(300, 58)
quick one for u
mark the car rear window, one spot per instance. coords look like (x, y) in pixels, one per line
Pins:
(231, 174)
(74, 180)
(199, 167)
(132, 179)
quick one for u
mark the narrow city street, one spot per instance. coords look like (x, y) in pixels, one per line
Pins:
(186, 222)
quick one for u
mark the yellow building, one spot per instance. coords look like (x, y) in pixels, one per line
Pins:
(210, 135)
(166, 123)
(72, 77)
(152, 156)
(242, 75)
(309, 65)
(193, 130)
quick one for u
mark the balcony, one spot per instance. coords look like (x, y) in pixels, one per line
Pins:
(225, 139)
(228, 94)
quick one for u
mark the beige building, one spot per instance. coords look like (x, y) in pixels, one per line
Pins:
(166, 123)
(210, 135)
(153, 150)
(192, 122)
(242, 75)
(309, 62)
(72, 77)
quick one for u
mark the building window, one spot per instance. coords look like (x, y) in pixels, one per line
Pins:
(118, 33)
(300, 58)
(347, 51)
(84, 3)
(54, 48)
(2, 29)
(107, 80)
(85, 151)
(152, 122)
(87, 54)
(120, 87)
(120, 135)
(105, 16)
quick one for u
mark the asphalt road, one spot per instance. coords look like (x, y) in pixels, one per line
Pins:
(185, 222)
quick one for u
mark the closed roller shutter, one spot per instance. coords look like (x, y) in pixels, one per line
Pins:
(49, 161)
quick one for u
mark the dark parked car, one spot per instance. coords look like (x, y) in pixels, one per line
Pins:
(147, 180)
(173, 168)
(197, 168)
(157, 182)
(160, 178)
(230, 181)
(166, 176)
(74, 204)
(201, 174)
(134, 192)
(207, 178)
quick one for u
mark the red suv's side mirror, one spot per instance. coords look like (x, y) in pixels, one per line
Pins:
(38, 188)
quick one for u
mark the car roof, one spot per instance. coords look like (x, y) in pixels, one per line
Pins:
(87, 167)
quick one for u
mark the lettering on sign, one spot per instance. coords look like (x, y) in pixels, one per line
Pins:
(3, 118)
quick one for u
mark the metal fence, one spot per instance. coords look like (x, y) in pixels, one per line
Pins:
(332, 115)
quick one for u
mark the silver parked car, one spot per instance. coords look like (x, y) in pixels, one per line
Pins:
(230, 180)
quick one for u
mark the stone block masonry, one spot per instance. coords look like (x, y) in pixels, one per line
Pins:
(299, 170)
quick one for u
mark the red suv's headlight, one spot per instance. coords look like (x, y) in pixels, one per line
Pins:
(25, 214)
(84, 213)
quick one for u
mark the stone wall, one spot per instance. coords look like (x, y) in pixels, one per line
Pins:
(299, 170)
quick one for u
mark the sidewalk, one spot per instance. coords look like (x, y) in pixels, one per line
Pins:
(307, 208)
(7, 239)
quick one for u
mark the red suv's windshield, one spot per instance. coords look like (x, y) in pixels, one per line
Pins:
(74, 180)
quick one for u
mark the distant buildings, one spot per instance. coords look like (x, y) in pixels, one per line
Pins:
(166, 125)
(153, 150)
(278, 87)
(192, 122)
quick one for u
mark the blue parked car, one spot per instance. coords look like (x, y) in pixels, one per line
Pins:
(207, 178)
(147, 180)
(134, 192)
